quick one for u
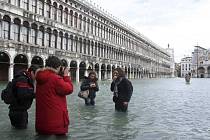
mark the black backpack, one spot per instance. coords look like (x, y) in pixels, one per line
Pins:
(8, 95)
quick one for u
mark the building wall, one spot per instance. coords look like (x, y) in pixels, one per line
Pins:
(75, 30)
(186, 64)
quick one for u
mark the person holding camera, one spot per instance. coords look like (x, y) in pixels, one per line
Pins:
(90, 83)
(51, 91)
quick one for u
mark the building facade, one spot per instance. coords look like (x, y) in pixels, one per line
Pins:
(82, 35)
(201, 62)
(170, 51)
(186, 66)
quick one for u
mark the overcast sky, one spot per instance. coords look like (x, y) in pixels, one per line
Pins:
(181, 23)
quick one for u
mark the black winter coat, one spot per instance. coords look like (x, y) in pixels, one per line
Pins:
(24, 92)
(86, 86)
(125, 89)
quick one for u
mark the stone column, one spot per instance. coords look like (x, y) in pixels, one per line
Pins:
(11, 71)
(111, 73)
(77, 72)
(99, 72)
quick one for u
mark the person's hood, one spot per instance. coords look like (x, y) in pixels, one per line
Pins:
(42, 75)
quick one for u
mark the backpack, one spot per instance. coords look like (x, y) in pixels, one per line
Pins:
(8, 95)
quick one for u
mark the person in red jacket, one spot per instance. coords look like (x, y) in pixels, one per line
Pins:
(51, 106)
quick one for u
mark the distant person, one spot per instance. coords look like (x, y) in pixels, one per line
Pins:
(51, 106)
(90, 83)
(122, 89)
(187, 77)
(23, 93)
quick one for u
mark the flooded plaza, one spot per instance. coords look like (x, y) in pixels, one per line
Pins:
(160, 109)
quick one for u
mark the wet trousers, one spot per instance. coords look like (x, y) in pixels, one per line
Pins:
(18, 119)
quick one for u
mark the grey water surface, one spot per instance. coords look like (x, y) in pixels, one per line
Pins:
(160, 109)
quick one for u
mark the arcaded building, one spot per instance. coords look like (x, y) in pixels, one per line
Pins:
(83, 36)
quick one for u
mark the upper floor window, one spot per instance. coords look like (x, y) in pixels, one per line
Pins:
(33, 5)
(6, 29)
(25, 4)
(47, 10)
(33, 36)
(41, 7)
(60, 15)
(40, 38)
(16, 32)
(15, 2)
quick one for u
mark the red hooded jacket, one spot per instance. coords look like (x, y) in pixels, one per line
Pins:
(51, 107)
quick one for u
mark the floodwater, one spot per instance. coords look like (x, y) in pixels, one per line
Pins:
(160, 109)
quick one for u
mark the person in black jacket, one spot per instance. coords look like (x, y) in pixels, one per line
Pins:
(90, 83)
(23, 90)
(122, 89)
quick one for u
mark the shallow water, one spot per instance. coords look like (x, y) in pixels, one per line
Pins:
(160, 109)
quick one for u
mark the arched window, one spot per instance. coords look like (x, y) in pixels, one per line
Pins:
(92, 27)
(66, 16)
(84, 24)
(80, 22)
(95, 49)
(15, 2)
(16, 30)
(71, 43)
(89, 47)
(71, 18)
(25, 32)
(76, 45)
(40, 39)
(33, 34)
(80, 45)
(99, 30)
(95, 33)
(48, 38)
(60, 14)
(48, 9)
(85, 47)
(88, 25)
(41, 7)
(54, 11)
(33, 6)
(99, 53)
(6, 27)
(25, 4)
(60, 41)
(75, 20)
(54, 39)
(65, 42)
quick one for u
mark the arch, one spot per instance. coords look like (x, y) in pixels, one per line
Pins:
(208, 71)
(82, 69)
(4, 66)
(96, 67)
(103, 71)
(7, 18)
(90, 66)
(64, 63)
(17, 21)
(20, 63)
(73, 69)
(36, 60)
(201, 72)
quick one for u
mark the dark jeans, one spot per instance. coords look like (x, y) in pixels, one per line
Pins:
(19, 119)
(90, 101)
(119, 106)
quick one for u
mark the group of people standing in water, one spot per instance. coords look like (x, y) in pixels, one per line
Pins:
(50, 86)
